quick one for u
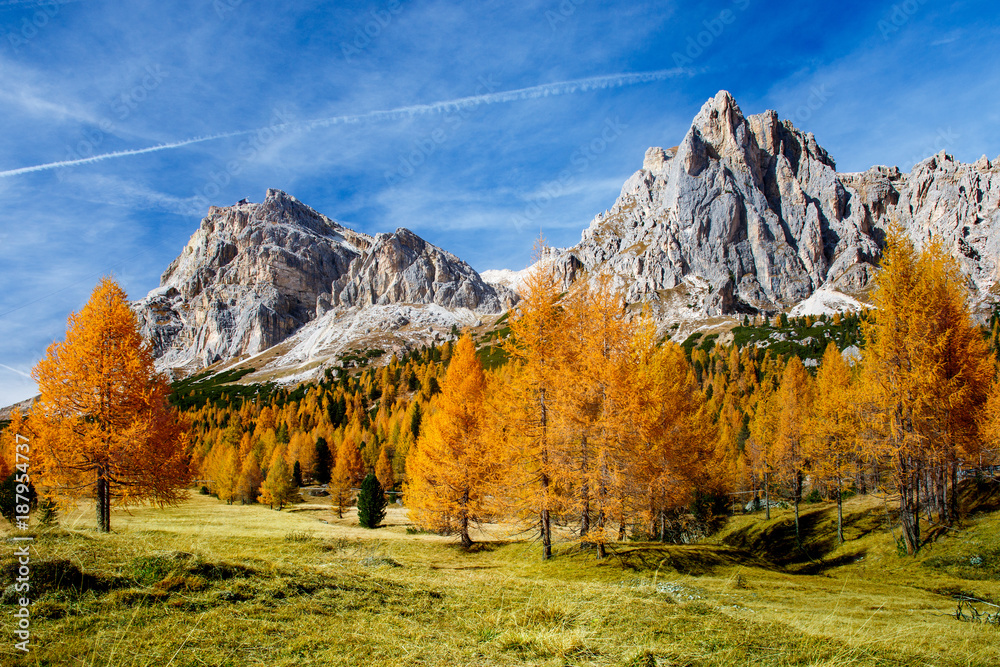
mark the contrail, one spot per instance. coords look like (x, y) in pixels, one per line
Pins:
(14, 370)
(503, 97)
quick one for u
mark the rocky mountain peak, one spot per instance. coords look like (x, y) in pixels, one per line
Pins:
(753, 210)
(254, 273)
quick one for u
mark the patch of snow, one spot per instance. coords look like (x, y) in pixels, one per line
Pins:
(514, 280)
(826, 301)
(505, 277)
(370, 326)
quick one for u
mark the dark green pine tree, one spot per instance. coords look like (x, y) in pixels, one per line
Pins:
(297, 474)
(371, 502)
(323, 462)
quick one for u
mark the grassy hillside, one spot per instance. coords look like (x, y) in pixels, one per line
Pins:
(206, 583)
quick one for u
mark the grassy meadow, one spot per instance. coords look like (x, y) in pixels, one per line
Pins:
(206, 583)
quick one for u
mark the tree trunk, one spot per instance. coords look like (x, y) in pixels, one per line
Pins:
(584, 491)
(798, 499)
(601, 553)
(546, 535)
(103, 502)
(953, 504)
(840, 511)
(466, 540)
(767, 497)
(545, 518)
(909, 506)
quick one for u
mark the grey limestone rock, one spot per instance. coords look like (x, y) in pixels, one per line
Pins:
(756, 207)
(253, 274)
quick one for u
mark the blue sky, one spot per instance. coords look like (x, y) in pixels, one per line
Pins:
(877, 83)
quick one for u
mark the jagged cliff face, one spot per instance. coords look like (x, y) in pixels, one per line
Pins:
(403, 268)
(253, 274)
(755, 208)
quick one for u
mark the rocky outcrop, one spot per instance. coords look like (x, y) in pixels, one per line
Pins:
(403, 268)
(756, 207)
(253, 274)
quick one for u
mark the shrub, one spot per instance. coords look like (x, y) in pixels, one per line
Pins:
(8, 496)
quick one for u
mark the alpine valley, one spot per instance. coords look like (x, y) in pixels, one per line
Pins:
(747, 215)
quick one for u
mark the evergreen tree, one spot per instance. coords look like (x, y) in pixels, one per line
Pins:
(371, 502)
(297, 474)
(323, 463)
(8, 497)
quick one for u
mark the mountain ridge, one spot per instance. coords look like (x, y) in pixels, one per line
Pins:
(756, 207)
(252, 275)
(747, 214)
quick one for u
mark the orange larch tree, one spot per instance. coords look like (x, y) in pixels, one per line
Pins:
(450, 471)
(794, 411)
(831, 442)
(676, 455)
(533, 346)
(347, 473)
(103, 423)
(927, 372)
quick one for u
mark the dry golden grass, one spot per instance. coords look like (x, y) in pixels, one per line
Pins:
(206, 583)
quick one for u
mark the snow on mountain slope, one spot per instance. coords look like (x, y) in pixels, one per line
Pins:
(827, 301)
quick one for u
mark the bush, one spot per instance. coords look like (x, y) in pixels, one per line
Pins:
(204, 491)
(813, 497)
(47, 511)
(371, 502)
(8, 497)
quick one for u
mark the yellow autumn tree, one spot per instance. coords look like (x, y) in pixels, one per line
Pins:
(675, 457)
(831, 444)
(594, 373)
(760, 444)
(926, 374)
(450, 472)
(533, 348)
(250, 479)
(278, 488)
(794, 410)
(989, 423)
(383, 470)
(103, 424)
(347, 473)
(227, 476)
